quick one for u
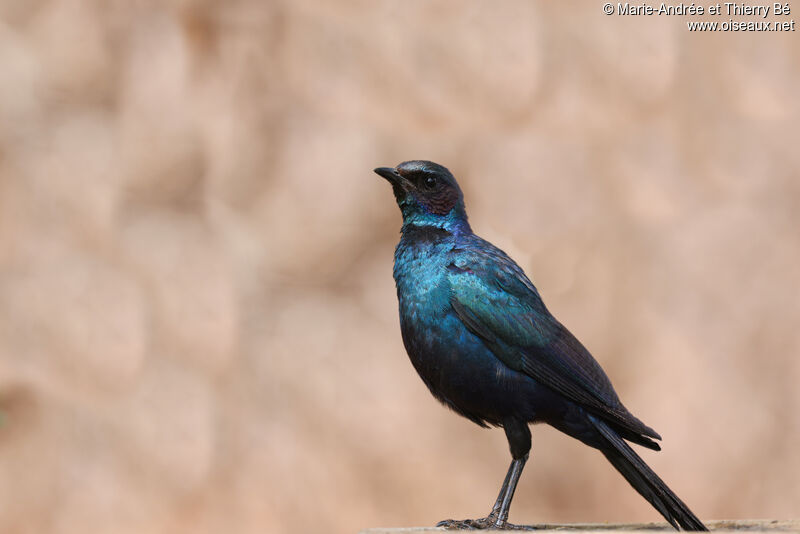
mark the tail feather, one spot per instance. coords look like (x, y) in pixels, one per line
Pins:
(644, 480)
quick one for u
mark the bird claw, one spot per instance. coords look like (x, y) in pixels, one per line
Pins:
(470, 524)
(484, 523)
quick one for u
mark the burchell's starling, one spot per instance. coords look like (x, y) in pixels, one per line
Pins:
(484, 343)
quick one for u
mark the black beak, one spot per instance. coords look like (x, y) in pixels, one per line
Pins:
(390, 174)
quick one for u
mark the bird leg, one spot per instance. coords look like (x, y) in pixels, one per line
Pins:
(498, 517)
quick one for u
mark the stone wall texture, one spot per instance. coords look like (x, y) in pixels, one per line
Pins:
(198, 325)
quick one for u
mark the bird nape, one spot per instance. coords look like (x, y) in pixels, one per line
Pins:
(482, 340)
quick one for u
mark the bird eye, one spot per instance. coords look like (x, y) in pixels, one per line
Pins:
(430, 182)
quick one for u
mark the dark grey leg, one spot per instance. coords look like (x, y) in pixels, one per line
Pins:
(509, 487)
(519, 440)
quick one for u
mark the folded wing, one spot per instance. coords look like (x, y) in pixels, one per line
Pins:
(497, 302)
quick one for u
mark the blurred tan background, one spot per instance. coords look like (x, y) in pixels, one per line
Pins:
(198, 325)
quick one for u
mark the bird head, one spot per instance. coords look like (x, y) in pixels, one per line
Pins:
(427, 193)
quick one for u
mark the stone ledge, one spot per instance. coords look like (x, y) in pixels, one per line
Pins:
(749, 525)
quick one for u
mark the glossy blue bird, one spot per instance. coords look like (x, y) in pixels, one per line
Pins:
(480, 337)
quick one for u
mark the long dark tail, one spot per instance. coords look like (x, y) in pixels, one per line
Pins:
(645, 481)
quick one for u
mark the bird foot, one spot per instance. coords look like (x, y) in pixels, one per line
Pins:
(484, 523)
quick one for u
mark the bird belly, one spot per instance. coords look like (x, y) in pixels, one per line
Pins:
(463, 373)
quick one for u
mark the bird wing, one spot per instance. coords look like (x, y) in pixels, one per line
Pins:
(499, 304)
